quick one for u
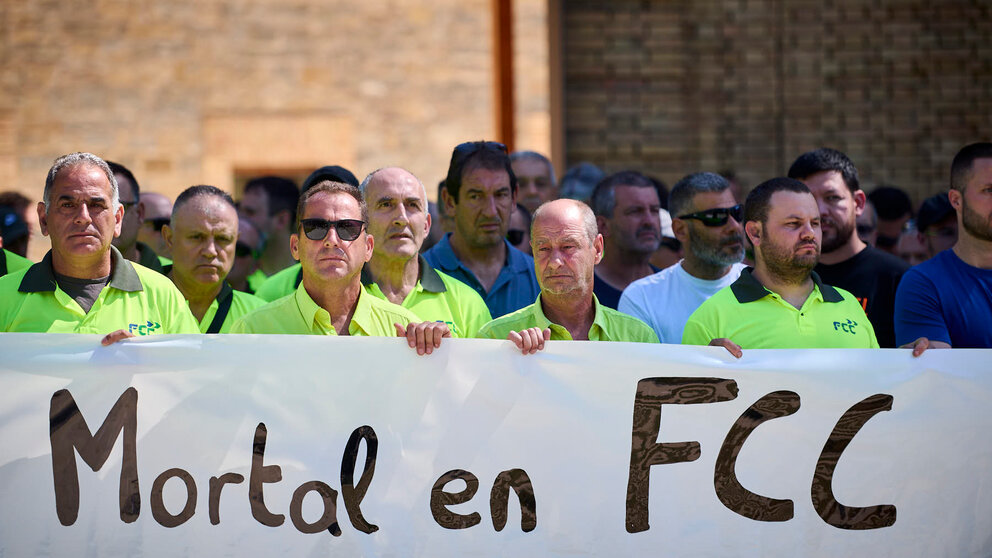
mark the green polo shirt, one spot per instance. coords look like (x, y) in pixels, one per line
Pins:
(241, 304)
(281, 283)
(608, 325)
(148, 258)
(11, 262)
(137, 299)
(256, 280)
(755, 318)
(438, 297)
(297, 313)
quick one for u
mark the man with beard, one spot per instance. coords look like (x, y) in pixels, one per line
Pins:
(868, 273)
(626, 206)
(781, 303)
(566, 247)
(480, 192)
(708, 224)
(948, 298)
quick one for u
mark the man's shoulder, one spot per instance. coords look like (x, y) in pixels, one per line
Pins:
(882, 261)
(247, 300)
(266, 314)
(720, 301)
(630, 327)
(516, 320)
(154, 282)
(459, 290)
(388, 309)
(279, 284)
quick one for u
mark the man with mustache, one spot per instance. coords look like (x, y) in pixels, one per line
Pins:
(399, 221)
(480, 192)
(626, 205)
(201, 237)
(870, 274)
(567, 247)
(948, 298)
(84, 284)
(707, 221)
(781, 303)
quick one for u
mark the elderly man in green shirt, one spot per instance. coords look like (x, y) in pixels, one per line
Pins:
(332, 244)
(399, 221)
(201, 237)
(84, 285)
(567, 246)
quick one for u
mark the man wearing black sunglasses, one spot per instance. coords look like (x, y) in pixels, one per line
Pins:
(868, 273)
(399, 221)
(332, 244)
(134, 214)
(708, 224)
(480, 192)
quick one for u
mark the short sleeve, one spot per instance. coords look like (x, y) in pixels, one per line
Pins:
(918, 310)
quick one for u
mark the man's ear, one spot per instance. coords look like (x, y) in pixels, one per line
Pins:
(860, 199)
(954, 197)
(598, 247)
(369, 244)
(43, 218)
(449, 202)
(753, 231)
(167, 236)
(681, 230)
(294, 246)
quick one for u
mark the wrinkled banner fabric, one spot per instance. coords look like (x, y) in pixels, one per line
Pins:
(307, 446)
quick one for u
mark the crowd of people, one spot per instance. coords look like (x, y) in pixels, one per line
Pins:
(508, 252)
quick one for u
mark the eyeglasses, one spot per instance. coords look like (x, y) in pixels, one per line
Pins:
(347, 229)
(717, 217)
(515, 236)
(241, 250)
(158, 223)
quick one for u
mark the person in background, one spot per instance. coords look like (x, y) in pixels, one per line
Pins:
(480, 193)
(894, 209)
(134, 214)
(579, 181)
(246, 252)
(202, 237)
(269, 202)
(519, 232)
(948, 298)
(535, 179)
(845, 260)
(867, 224)
(709, 226)
(567, 246)
(912, 248)
(20, 205)
(669, 250)
(12, 227)
(626, 206)
(158, 212)
(937, 223)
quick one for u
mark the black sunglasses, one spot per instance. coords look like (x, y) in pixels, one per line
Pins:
(347, 229)
(515, 236)
(717, 217)
(158, 223)
(241, 250)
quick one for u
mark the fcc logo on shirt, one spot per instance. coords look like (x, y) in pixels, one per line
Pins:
(846, 327)
(147, 328)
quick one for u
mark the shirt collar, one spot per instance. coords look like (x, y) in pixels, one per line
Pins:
(40, 277)
(599, 321)
(748, 289)
(516, 260)
(312, 313)
(429, 279)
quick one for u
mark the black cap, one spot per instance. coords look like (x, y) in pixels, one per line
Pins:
(12, 226)
(333, 173)
(933, 210)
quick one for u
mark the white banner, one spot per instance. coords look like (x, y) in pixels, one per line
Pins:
(305, 446)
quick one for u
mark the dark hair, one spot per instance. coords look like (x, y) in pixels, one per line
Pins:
(680, 198)
(823, 160)
(201, 190)
(486, 155)
(281, 193)
(604, 199)
(535, 156)
(759, 199)
(334, 173)
(963, 161)
(330, 187)
(890, 202)
(120, 169)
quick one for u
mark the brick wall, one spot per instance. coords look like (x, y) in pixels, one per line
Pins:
(679, 86)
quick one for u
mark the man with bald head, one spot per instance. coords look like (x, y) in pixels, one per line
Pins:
(84, 284)
(158, 212)
(567, 246)
(202, 238)
(399, 221)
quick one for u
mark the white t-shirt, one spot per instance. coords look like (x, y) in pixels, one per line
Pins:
(666, 299)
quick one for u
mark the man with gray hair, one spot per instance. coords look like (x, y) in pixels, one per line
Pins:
(626, 206)
(567, 247)
(84, 285)
(535, 179)
(399, 221)
(707, 221)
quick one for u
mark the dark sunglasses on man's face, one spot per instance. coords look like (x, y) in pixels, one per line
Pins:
(717, 217)
(242, 250)
(157, 224)
(347, 229)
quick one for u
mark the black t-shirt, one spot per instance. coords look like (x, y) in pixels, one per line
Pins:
(872, 276)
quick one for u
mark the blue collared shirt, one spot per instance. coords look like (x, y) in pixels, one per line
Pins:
(515, 287)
